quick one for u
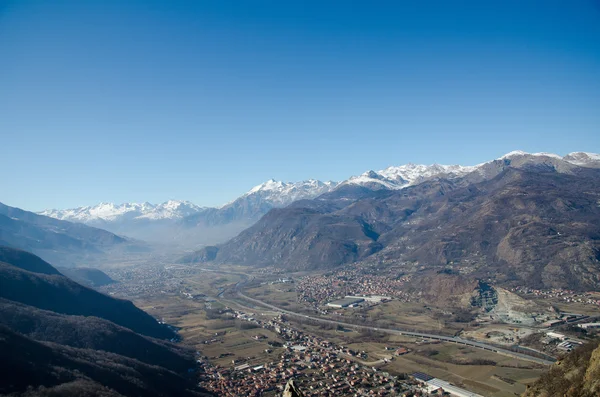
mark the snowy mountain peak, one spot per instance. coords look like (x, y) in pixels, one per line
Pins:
(282, 193)
(516, 153)
(398, 177)
(273, 193)
(269, 185)
(111, 212)
(583, 158)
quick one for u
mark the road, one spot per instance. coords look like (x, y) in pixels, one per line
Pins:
(453, 339)
(424, 335)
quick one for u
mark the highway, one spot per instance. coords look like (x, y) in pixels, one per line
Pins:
(453, 339)
(424, 335)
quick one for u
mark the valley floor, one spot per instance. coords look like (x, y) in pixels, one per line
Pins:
(248, 346)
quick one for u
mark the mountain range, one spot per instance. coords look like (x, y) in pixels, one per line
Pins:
(523, 218)
(62, 242)
(188, 225)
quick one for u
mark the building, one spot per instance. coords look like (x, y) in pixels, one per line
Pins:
(556, 335)
(552, 323)
(589, 325)
(346, 302)
(371, 298)
(432, 384)
(401, 351)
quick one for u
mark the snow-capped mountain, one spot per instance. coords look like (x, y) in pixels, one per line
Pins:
(399, 177)
(250, 206)
(282, 193)
(109, 212)
(173, 220)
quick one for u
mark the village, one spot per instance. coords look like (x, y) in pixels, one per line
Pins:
(567, 296)
(320, 367)
(319, 290)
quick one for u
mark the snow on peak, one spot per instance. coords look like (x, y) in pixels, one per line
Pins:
(398, 177)
(111, 212)
(269, 185)
(516, 153)
(283, 193)
(279, 193)
(583, 158)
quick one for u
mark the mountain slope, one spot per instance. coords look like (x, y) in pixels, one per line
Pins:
(576, 374)
(57, 293)
(62, 242)
(259, 200)
(525, 218)
(183, 224)
(87, 276)
(26, 261)
(92, 333)
(32, 368)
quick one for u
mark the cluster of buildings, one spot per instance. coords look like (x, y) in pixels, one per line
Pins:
(143, 280)
(569, 296)
(319, 290)
(590, 326)
(563, 342)
(319, 367)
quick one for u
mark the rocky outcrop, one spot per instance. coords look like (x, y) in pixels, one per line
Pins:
(575, 375)
(291, 390)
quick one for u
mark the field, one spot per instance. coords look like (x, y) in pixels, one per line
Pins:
(203, 314)
(487, 373)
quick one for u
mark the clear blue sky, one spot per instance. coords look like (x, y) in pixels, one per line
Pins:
(151, 100)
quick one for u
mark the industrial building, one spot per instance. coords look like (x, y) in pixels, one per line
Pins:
(589, 325)
(346, 302)
(371, 298)
(432, 384)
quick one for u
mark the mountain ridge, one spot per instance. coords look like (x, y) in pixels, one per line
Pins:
(283, 193)
(188, 226)
(522, 218)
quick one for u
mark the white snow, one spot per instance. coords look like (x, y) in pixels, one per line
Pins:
(111, 212)
(515, 153)
(583, 158)
(283, 193)
(399, 177)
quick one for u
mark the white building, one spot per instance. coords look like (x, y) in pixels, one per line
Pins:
(371, 298)
(589, 325)
(432, 384)
(556, 335)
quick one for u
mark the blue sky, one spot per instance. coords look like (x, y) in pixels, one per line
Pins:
(155, 100)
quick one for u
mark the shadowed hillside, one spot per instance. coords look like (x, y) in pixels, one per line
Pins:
(31, 368)
(58, 338)
(57, 293)
(92, 333)
(87, 276)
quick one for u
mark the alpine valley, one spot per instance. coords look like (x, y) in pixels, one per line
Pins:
(473, 279)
